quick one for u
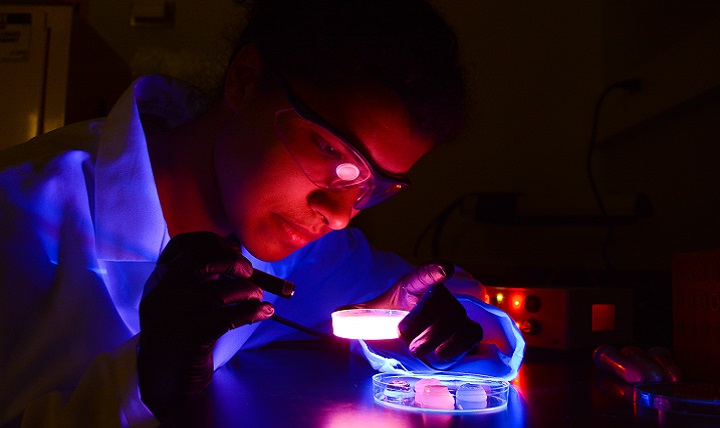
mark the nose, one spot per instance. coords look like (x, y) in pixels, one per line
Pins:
(336, 206)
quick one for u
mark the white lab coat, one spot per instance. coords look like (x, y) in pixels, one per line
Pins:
(81, 227)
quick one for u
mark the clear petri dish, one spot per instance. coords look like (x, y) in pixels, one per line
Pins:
(446, 392)
(367, 324)
(679, 399)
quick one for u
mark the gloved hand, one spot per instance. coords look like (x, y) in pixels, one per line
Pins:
(199, 291)
(436, 321)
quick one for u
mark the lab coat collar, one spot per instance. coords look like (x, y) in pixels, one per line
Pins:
(129, 221)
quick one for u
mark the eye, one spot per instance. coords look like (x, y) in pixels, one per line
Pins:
(325, 148)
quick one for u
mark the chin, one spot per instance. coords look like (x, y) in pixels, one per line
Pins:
(270, 254)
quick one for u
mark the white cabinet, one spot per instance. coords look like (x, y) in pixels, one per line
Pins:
(34, 54)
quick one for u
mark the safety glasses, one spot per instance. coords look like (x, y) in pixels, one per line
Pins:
(328, 160)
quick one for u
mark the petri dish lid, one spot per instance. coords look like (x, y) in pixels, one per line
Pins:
(367, 324)
(701, 399)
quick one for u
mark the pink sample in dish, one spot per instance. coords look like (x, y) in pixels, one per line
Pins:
(431, 394)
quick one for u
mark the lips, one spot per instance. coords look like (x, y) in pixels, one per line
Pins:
(297, 236)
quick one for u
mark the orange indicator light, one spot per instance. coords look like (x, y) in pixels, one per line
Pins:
(516, 301)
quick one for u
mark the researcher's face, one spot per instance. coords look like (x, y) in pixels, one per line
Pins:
(284, 180)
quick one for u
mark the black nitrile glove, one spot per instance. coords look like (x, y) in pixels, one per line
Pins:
(440, 323)
(437, 321)
(199, 291)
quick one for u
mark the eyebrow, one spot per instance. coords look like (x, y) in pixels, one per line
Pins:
(306, 112)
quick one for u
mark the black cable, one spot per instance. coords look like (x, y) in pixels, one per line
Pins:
(437, 224)
(630, 86)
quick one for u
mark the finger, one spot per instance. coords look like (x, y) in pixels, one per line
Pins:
(242, 313)
(228, 290)
(228, 263)
(205, 254)
(464, 339)
(195, 323)
(437, 303)
(432, 337)
(210, 295)
(420, 279)
(179, 300)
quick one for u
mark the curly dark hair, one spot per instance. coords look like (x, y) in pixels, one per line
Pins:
(404, 44)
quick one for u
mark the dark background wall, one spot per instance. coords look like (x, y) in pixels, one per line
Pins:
(535, 73)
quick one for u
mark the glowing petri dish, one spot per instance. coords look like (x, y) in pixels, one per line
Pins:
(445, 392)
(367, 324)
